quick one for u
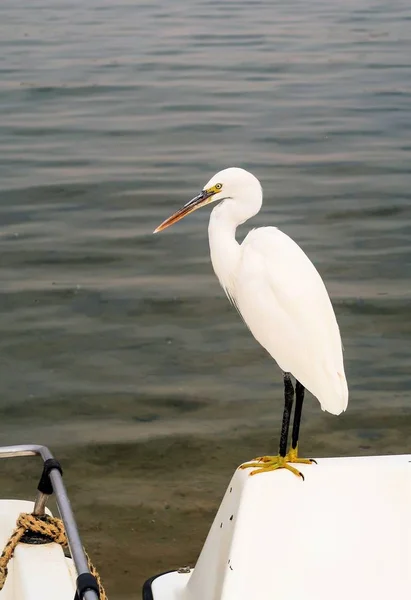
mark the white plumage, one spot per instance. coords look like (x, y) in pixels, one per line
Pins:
(278, 292)
(281, 298)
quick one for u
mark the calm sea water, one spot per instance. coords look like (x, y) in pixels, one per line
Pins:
(113, 114)
(118, 348)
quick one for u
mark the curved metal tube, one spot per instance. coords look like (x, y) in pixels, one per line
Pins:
(63, 503)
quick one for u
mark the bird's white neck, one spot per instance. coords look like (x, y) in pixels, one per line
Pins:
(225, 251)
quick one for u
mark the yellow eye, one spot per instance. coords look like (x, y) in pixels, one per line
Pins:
(218, 186)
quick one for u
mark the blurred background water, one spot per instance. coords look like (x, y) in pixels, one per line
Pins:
(114, 342)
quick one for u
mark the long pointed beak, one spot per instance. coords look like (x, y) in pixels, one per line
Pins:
(194, 204)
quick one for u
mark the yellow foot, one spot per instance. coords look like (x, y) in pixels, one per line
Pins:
(293, 457)
(262, 464)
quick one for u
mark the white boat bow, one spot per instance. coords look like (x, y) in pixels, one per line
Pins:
(344, 532)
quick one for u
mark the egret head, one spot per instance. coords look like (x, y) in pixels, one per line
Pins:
(230, 184)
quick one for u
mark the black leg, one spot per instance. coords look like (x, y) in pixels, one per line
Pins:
(288, 405)
(299, 399)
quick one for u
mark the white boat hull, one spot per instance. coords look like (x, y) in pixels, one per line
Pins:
(36, 572)
(344, 532)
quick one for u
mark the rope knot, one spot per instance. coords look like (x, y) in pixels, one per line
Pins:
(52, 529)
(49, 527)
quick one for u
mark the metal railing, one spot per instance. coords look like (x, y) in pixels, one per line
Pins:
(64, 507)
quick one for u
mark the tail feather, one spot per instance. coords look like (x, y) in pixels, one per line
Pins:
(334, 398)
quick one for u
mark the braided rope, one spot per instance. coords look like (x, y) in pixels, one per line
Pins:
(51, 527)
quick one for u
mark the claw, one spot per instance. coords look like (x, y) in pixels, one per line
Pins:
(263, 464)
(293, 457)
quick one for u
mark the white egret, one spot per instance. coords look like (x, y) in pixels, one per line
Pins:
(281, 298)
